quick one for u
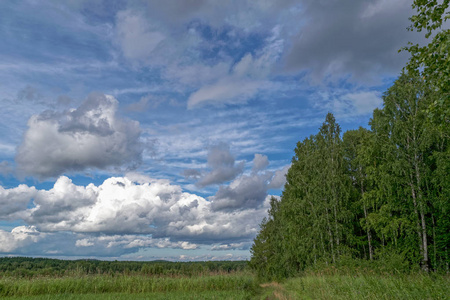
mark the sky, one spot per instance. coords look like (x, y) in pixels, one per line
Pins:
(143, 130)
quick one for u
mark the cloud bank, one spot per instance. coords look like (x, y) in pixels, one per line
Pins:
(129, 205)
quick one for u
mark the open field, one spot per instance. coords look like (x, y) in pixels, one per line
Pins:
(120, 287)
(233, 286)
(31, 278)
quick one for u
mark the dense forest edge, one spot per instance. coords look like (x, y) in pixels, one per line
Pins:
(377, 198)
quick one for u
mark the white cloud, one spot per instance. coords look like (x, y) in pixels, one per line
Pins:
(129, 241)
(83, 243)
(136, 37)
(230, 246)
(142, 206)
(363, 102)
(248, 76)
(347, 104)
(91, 136)
(229, 90)
(15, 200)
(21, 236)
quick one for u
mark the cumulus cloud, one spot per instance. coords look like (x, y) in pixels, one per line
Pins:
(279, 178)
(244, 192)
(260, 162)
(15, 200)
(132, 206)
(83, 243)
(223, 166)
(21, 236)
(91, 136)
(132, 241)
(249, 191)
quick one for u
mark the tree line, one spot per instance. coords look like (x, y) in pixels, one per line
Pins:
(378, 195)
(27, 267)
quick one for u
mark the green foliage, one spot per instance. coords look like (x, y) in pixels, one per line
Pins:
(366, 285)
(432, 61)
(25, 267)
(379, 195)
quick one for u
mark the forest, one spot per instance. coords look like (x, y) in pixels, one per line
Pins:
(375, 197)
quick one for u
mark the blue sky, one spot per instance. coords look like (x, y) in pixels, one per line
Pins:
(141, 130)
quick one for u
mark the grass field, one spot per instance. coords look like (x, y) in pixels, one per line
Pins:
(360, 287)
(157, 295)
(242, 285)
(238, 286)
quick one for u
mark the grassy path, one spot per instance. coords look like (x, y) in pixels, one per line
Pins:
(236, 286)
(348, 287)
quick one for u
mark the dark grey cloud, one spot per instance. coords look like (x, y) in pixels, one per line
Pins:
(249, 191)
(91, 136)
(330, 39)
(223, 166)
(243, 193)
(175, 13)
(191, 174)
(356, 38)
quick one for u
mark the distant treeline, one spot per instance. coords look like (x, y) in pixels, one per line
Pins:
(37, 267)
(379, 195)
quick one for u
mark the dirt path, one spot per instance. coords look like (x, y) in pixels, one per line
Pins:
(274, 290)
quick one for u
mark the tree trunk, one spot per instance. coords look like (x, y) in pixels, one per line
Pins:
(369, 237)
(425, 262)
(331, 237)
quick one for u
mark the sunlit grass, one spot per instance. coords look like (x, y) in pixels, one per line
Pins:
(104, 284)
(369, 286)
(157, 295)
(320, 284)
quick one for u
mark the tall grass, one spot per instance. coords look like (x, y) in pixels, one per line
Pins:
(100, 284)
(368, 286)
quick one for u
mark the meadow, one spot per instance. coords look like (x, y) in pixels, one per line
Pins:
(205, 280)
